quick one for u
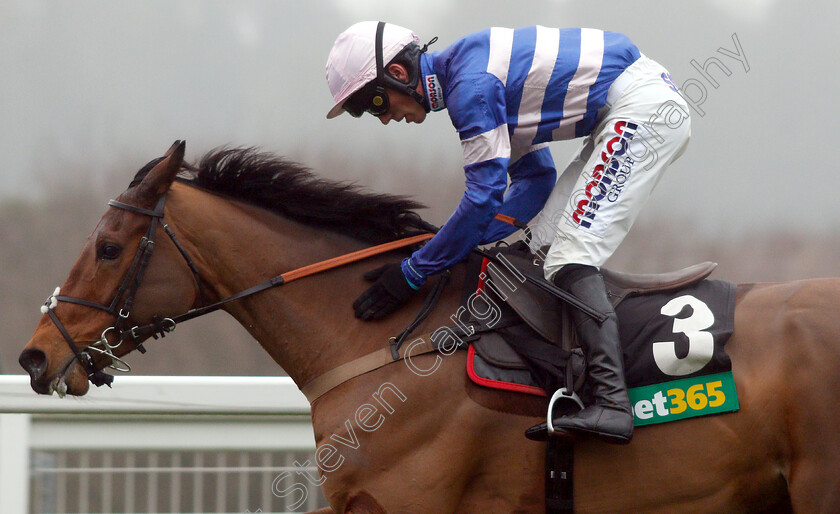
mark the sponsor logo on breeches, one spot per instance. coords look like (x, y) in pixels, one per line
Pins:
(608, 177)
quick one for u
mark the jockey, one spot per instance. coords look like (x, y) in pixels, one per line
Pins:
(509, 93)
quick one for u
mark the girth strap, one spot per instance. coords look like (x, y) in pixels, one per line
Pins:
(374, 360)
(325, 382)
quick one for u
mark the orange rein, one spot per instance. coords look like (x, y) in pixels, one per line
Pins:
(342, 260)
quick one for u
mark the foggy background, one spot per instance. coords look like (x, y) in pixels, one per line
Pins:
(92, 90)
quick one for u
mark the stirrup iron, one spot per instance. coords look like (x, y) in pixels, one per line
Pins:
(560, 394)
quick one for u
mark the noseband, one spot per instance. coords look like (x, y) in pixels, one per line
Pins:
(159, 326)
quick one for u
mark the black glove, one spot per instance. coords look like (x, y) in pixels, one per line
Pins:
(390, 291)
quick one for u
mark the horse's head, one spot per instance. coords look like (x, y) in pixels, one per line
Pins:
(124, 277)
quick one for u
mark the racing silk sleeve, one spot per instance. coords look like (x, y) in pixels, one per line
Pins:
(477, 107)
(532, 178)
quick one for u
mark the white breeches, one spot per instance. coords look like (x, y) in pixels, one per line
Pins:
(644, 127)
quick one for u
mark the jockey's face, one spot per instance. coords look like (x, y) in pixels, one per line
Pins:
(403, 107)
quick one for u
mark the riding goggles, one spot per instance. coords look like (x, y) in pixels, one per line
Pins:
(371, 98)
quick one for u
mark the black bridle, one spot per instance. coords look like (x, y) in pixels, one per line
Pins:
(122, 303)
(120, 306)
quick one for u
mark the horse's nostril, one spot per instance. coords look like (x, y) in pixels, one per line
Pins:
(34, 362)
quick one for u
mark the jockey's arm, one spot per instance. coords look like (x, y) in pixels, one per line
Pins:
(532, 178)
(486, 183)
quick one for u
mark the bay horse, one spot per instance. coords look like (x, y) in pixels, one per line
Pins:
(394, 440)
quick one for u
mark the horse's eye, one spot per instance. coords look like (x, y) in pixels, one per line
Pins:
(109, 251)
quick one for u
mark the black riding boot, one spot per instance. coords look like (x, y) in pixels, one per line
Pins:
(611, 416)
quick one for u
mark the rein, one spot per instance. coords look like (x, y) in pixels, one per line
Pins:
(160, 326)
(285, 278)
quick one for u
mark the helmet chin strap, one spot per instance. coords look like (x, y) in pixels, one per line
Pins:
(413, 54)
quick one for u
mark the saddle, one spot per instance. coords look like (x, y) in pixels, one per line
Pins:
(536, 324)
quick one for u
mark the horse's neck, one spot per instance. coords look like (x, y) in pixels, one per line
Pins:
(306, 326)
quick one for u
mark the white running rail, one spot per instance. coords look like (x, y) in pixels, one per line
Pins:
(175, 433)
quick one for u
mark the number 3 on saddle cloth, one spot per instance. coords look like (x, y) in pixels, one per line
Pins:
(673, 329)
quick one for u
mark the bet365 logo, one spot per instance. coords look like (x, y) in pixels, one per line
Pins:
(684, 398)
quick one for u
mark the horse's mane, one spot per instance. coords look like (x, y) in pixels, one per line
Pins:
(294, 191)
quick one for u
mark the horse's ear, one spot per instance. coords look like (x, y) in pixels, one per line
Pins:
(159, 178)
